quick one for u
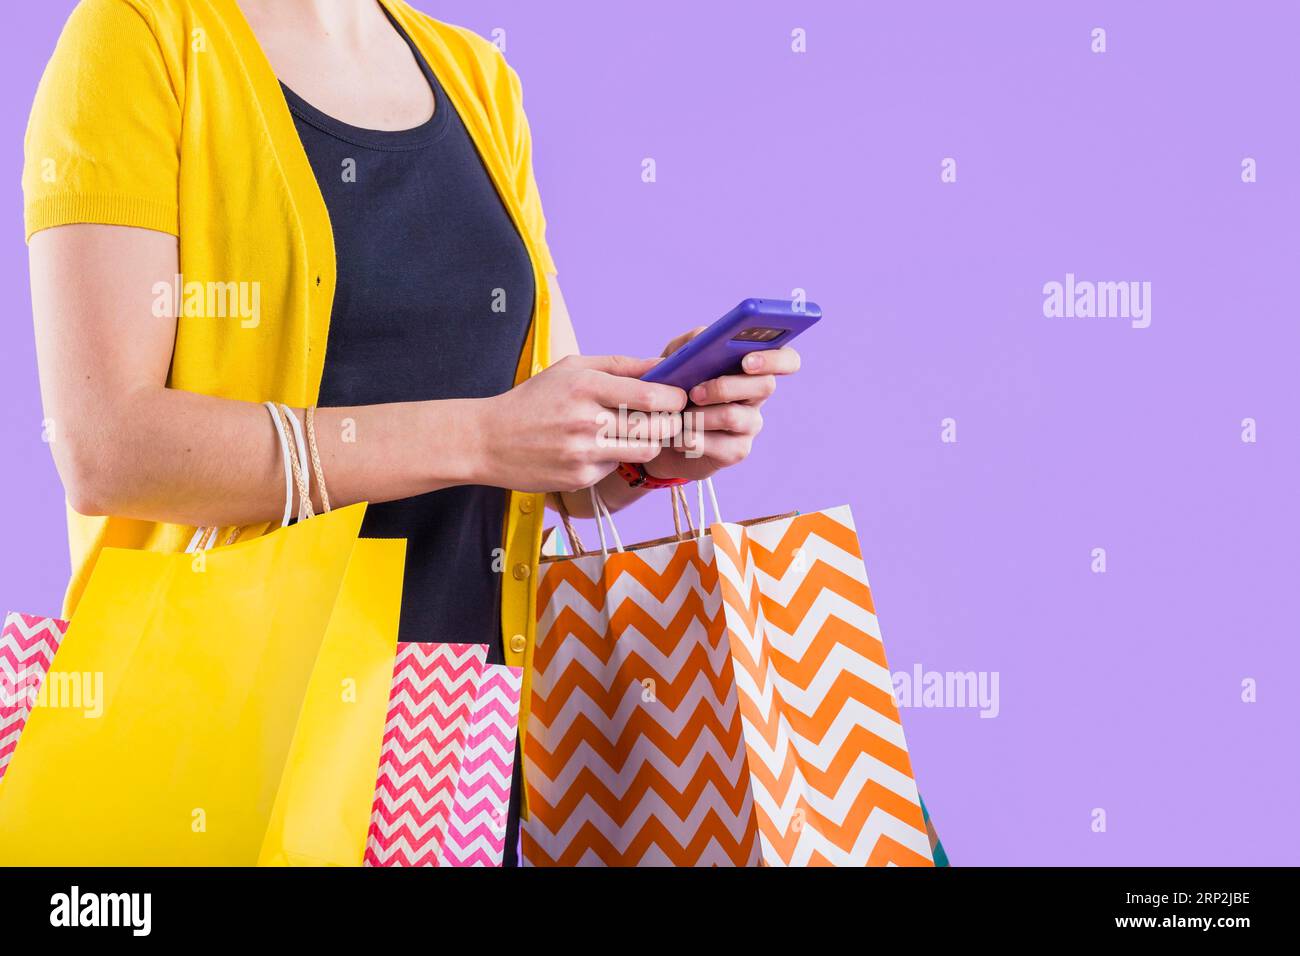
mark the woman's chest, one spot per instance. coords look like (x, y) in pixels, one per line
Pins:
(435, 289)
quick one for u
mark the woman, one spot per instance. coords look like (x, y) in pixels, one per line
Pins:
(324, 203)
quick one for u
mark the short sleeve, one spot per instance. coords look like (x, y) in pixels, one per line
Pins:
(103, 141)
(525, 182)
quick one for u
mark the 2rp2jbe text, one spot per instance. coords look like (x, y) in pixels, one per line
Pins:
(1200, 898)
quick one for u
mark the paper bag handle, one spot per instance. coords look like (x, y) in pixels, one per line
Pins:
(602, 514)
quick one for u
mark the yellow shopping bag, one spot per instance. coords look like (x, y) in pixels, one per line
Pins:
(239, 702)
(322, 811)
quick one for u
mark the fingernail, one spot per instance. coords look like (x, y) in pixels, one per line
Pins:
(697, 393)
(753, 362)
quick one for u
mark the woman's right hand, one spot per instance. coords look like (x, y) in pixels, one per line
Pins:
(562, 430)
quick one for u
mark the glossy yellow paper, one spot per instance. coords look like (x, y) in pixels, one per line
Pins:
(206, 663)
(322, 812)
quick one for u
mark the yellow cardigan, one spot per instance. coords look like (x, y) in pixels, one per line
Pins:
(166, 115)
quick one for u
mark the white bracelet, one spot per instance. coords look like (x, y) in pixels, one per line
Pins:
(304, 507)
(284, 458)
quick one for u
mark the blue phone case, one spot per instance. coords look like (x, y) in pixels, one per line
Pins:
(715, 351)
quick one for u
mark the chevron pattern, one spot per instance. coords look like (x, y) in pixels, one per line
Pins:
(831, 776)
(477, 828)
(447, 759)
(717, 701)
(27, 646)
(634, 752)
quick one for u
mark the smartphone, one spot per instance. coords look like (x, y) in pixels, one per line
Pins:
(753, 326)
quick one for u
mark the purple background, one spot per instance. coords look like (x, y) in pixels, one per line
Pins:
(775, 171)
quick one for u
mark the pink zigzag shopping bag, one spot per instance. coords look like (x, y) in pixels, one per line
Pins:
(447, 761)
(27, 646)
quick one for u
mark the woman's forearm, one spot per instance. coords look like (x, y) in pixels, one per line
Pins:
(127, 445)
(162, 454)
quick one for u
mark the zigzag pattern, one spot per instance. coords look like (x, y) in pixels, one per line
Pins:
(634, 753)
(447, 759)
(832, 779)
(430, 706)
(724, 700)
(476, 833)
(27, 646)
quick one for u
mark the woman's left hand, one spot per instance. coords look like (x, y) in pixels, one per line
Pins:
(719, 425)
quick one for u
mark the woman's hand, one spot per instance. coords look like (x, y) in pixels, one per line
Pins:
(571, 424)
(724, 415)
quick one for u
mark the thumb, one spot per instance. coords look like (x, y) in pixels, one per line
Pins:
(622, 365)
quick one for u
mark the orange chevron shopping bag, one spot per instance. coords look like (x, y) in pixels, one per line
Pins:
(720, 697)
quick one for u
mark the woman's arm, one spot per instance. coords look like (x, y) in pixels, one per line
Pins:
(125, 444)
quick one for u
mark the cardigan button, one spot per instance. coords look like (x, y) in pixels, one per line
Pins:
(526, 505)
(521, 571)
(518, 643)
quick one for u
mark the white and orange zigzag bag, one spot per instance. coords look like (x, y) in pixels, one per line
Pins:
(720, 697)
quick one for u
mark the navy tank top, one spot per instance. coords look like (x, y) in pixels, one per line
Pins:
(433, 301)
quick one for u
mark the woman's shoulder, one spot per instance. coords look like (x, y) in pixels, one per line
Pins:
(134, 28)
(477, 57)
(160, 16)
(460, 40)
(104, 41)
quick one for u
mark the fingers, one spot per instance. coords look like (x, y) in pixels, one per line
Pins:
(734, 418)
(633, 452)
(674, 463)
(614, 382)
(725, 450)
(616, 391)
(716, 450)
(614, 426)
(756, 385)
(624, 365)
(734, 388)
(784, 361)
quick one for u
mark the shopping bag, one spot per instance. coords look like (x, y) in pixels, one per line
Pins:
(322, 809)
(477, 827)
(206, 663)
(716, 698)
(829, 766)
(448, 755)
(27, 646)
(634, 751)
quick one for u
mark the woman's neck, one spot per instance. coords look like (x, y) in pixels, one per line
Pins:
(344, 58)
(351, 23)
